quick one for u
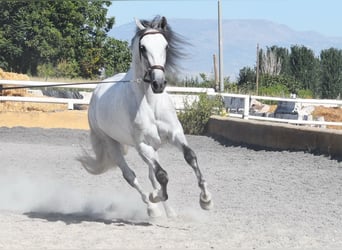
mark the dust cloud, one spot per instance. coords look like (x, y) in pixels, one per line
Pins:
(27, 194)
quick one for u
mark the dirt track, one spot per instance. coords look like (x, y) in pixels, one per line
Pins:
(263, 199)
(72, 119)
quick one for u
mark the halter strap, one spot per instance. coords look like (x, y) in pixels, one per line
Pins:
(149, 71)
(157, 67)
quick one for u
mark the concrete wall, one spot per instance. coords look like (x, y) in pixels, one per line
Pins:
(277, 136)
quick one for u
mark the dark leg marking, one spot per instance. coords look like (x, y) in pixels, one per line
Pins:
(191, 159)
(189, 155)
(162, 178)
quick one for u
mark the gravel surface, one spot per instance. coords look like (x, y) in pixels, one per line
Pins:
(263, 199)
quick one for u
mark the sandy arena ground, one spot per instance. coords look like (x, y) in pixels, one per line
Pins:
(72, 119)
(263, 199)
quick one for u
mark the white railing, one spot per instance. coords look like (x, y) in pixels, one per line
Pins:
(179, 95)
(246, 108)
(69, 102)
(178, 100)
(92, 86)
(41, 83)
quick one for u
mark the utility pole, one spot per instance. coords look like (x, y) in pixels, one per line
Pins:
(257, 70)
(217, 86)
(220, 46)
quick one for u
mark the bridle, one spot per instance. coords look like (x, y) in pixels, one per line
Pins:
(151, 67)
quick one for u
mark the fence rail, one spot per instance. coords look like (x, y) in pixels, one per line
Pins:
(41, 83)
(246, 108)
(69, 102)
(179, 96)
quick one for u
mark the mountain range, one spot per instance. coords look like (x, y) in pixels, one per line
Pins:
(240, 38)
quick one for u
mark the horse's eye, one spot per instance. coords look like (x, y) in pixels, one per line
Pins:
(142, 48)
(167, 47)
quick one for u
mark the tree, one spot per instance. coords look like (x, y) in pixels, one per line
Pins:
(274, 61)
(116, 56)
(246, 78)
(297, 71)
(42, 32)
(284, 56)
(331, 73)
(304, 67)
(270, 62)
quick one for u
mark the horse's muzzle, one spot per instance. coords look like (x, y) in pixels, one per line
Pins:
(158, 87)
(157, 79)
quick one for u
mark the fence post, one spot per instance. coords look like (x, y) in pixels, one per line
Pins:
(70, 105)
(246, 107)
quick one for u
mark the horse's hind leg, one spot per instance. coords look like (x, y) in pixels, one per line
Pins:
(205, 197)
(190, 157)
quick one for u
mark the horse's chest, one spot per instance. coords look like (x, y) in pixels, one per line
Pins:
(146, 126)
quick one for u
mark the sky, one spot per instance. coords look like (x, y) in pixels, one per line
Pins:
(322, 16)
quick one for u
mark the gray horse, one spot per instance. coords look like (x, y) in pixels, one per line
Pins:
(134, 110)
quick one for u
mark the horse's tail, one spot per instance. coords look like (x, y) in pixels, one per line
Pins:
(93, 165)
(101, 162)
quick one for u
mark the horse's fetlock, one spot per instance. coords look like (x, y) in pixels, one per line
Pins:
(161, 174)
(162, 177)
(202, 184)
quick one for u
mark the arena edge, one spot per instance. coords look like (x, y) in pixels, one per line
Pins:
(277, 136)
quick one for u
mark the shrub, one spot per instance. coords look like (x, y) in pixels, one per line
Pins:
(67, 69)
(196, 115)
(305, 93)
(45, 70)
(274, 90)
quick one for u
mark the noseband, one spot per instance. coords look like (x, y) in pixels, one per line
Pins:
(149, 70)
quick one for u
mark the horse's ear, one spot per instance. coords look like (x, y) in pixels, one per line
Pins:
(139, 24)
(163, 23)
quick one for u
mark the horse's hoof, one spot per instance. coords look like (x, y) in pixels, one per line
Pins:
(153, 211)
(206, 203)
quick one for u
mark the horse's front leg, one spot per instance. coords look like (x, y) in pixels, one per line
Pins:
(150, 156)
(168, 209)
(190, 157)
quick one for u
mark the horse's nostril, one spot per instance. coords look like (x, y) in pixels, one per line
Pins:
(155, 84)
(165, 82)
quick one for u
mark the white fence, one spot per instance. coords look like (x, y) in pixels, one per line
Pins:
(179, 96)
(300, 102)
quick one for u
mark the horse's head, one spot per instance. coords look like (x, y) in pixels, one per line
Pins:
(153, 51)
